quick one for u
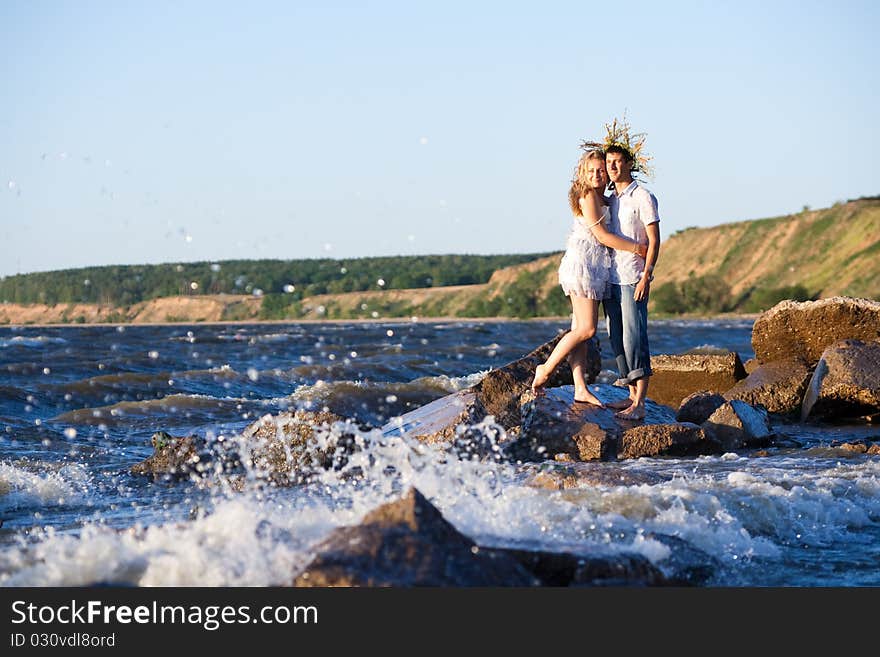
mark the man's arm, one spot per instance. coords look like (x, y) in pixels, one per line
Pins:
(643, 287)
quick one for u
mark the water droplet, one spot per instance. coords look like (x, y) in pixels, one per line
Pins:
(46, 370)
(70, 433)
(253, 375)
(153, 354)
(423, 140)
(391, 399)
(353, 354)
(289, 288)
(389, 333)
(381, 282)
(194, 286)
(215, 267)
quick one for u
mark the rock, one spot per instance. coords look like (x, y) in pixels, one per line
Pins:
(751, 365)
(874, 449)
(676, 377)
(698, 406)
(685, 439)
(846, 381)
(566, 569)
(792, 329)
(686, 565)
(289, 448)
(173, 456)
(408, 543)
(778, 386)
(736, 425)
(553, 423)
(497, 394)
(853, 446)
(500, 390)
(589, 475)
(284, 449)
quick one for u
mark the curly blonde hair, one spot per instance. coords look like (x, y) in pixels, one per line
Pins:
(580, 186)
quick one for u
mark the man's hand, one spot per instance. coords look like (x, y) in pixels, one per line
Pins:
(643, 288)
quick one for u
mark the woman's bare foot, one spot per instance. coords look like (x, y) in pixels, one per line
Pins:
(584, 396)
(541, 377)
(621, 403)
(633, 412)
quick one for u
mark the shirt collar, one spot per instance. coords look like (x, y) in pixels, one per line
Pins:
(630, 189)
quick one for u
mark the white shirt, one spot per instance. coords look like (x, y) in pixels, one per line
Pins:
(631, 211)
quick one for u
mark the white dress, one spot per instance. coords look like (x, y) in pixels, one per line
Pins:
(586, 265)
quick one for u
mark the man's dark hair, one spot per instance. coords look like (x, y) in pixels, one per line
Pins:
(614, 148)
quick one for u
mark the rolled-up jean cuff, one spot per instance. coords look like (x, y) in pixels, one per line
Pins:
(635, 375)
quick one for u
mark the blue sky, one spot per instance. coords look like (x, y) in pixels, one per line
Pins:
(147, 132)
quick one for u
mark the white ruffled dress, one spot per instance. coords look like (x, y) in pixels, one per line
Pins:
(586, 264)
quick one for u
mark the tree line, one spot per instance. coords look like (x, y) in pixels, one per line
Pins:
(286, 280)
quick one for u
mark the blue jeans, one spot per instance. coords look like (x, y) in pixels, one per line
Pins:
(628, 333)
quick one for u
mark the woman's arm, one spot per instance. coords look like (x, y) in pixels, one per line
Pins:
(592, 213)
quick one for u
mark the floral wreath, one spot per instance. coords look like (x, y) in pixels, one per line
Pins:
(617, 133)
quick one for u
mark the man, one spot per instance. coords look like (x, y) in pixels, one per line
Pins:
(634, 215)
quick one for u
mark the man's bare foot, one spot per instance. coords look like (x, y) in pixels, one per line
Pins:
(541, 377)
(586, 397)
(633, 412)
(621, 403)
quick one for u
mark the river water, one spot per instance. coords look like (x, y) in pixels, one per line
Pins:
(78, 405)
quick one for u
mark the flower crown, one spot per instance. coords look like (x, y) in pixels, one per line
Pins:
(617, 134)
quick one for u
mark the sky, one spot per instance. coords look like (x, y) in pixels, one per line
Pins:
(153, 132)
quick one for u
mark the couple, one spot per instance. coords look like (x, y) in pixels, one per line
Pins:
(610, 256)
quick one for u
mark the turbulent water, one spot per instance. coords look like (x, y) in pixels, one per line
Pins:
(78, 406)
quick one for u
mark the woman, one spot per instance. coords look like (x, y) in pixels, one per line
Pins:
(584, 270)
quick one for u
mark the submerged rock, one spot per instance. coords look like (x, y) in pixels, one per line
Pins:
(846, 381)
(792, 329)
(676, 377)
(778, 386)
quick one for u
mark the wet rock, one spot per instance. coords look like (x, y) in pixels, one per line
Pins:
(408, 543)
(859, 447)
(874, 449)
(751, 365)
(676, 377)
(698, 406)
(566, 569)
(497, 394)
(846, 381)
(500, 390)
(283, 449)
(778, 386)
(288, 448)
(174, 456)
(682, 439)
(736, 425)
(792, 329)
(553, 423)
(686, 564)
(588, 475)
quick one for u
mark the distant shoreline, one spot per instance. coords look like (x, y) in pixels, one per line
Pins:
(377, 320)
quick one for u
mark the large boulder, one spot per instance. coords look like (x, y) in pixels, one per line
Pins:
(698, 406)
(792, 329)
(778, 386)
(408, 543)
(736, 425)
(846, 381)
(498, 395)
(500, 390)
(676, 377)
(556, 427)
(681, 439)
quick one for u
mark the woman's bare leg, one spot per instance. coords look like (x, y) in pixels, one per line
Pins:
(583, 327)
